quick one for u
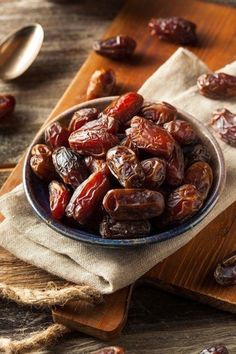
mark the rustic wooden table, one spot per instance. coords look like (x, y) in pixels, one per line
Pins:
(158, 322)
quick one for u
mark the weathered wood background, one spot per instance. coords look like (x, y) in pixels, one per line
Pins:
(158, 323)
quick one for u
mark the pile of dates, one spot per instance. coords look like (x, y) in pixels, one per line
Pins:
(134, 169)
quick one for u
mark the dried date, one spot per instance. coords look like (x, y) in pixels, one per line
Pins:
(150, 137)
(133, 204)
(42, 167)
(224, 123)
(174, 29)
(198, 152)
(119, 47)
(56, 135)
(217, 85)
(101, 84)
(95, 165)
(215, 349)
(7, 105)
(125, 166)
(159, 112)
(70, 166)
(130, 144)
(175, 167)
(182, 203)
(181, 131)
(124, 107)
(155, 172)
(225, 273)
(59, 196)
(81, 117)
(95, 142)
(110, 228)
(88, 197)
(41, 149)
(110, 124)
(200, 175)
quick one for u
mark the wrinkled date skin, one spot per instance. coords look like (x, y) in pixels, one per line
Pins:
(56, 135)
(159, 112)
(7, 105)
(101, 84)
(124, 107)
(95, 165)
(225, 273)
(181, 131)
(59, 196)
(111, 350)
(183, 203)
(70, 166)
(217, 85)
(95, 142)
(198, 153)
(133, 204)
(150, 137)
(118, 47)
(200, 175)
(175, 167)
(110, 228)
(87, 197)
(82, 117)
(155, 172)
(215, 349)
(224, 123)
(110, 124)
(41, 162)
(174, 29)
(125, 166)
(130, 144)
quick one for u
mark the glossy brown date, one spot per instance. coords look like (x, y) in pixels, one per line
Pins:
(133, 204)
(225, 273)
(41, 149)
(198, 152)
(110, 350)
(87, 197)
(82, 117)
(42, 166)
(110, 228)
(224, 123)
(215, 349)
(129, 143)
(124, 107)
(150, 137)
(181, 131)
(159, 112)
(59, 196)
(7, 105)
(110, 124)
(70, 166)
(217, 85)
(56, 135)
(182, 203)
(119, 47)
(155, 172)
(175, 167)
(95, 142)
(125, 166)
(95, 165)
(101, 84)
(201, 176)
(174, 29)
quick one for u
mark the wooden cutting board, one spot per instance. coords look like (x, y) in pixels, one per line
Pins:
(189, 272)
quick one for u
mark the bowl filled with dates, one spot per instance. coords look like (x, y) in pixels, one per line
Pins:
(120, 171)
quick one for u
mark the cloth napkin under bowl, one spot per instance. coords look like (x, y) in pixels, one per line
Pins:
(29, 239)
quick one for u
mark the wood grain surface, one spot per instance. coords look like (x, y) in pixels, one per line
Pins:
(157, 323)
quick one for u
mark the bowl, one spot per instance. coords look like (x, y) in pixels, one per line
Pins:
(37, 192)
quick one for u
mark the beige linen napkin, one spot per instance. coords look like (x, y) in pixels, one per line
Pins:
(29, 239)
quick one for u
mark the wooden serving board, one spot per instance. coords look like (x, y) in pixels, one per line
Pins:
(188, 272)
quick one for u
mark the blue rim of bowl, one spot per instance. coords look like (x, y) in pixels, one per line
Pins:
(95, 239)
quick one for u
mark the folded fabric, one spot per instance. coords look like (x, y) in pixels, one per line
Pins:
(29, 239)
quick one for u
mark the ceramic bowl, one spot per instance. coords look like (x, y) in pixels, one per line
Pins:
(37, 191)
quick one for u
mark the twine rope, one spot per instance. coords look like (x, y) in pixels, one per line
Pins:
(47, 298)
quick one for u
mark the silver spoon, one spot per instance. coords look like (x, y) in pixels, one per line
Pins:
(19, 50)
